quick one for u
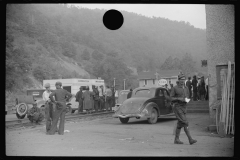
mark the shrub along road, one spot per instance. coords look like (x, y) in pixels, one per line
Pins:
(106, 136)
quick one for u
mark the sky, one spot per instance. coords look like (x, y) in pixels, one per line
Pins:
(192, 13)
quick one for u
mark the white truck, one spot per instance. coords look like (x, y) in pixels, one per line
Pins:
(73, 85)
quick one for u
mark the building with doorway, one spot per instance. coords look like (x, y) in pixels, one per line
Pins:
(150, 78)
(220, 48)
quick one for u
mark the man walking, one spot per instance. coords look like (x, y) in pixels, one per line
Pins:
(178, 95)
(189, 85)
(79, 100)
(61, 97)
(108, 97)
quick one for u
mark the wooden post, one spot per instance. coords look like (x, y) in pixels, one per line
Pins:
(228, 96)
(233, 125)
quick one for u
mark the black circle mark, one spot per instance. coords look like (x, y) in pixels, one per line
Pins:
(113, 19)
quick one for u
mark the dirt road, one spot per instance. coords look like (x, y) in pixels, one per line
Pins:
(108, 137)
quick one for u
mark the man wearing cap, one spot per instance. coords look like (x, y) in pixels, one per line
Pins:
(61, 97)
(178, 95)
(95, 98)
(48, 106)
(108, 94)
(79, 100)
(101, 98)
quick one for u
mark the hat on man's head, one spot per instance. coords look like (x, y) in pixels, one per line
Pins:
(181, 77)
(47, 85)
(58, 83)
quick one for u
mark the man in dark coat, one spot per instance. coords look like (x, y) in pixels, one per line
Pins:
(129, 95)
(178, 95)
(61, 97)
(79, 100)
(101, 98)
(95, 98)
(189, 85)
(194, 85)
(87, 100)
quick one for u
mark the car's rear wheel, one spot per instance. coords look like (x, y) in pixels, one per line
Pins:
(124, 120)
(21, 110)
(153, 116)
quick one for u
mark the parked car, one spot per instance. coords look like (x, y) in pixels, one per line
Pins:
(122, 96)
(146, 102)
(34, 97)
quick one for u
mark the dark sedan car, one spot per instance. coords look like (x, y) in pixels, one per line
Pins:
(146, 102)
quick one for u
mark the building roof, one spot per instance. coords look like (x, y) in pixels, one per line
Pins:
(162, 74)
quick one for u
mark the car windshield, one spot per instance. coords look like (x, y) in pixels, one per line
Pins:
(143, 93)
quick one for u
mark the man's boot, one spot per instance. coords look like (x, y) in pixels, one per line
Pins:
(177, 140)
(191, 141)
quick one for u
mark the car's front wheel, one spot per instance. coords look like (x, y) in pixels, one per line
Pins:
(153, 116)
(124, 120)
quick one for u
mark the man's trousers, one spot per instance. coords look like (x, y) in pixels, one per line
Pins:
(59, 113)
(180, 112)
(48, 115)
(80, 106)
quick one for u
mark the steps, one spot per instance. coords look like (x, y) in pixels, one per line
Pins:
(198, 107)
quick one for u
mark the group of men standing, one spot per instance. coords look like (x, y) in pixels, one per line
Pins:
(199, 88)
(55, 108)
(97, 99)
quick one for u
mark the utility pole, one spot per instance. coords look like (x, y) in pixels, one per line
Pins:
(124, 83)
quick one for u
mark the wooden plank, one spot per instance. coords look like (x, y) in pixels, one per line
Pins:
(233, 128)
(228, 95)
(230, 109)
(221, 123)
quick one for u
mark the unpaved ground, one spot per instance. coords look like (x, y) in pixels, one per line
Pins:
(108, 137)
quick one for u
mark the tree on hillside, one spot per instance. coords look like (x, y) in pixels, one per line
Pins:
(187, 64)
(97, 56)
(110, 68)
(168, 64)
(85, 55)
(112, 54)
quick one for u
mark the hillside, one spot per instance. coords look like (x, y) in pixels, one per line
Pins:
(57, 41)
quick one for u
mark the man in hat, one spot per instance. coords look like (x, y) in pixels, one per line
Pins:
(178, 95)
(95, 98)
(79, 100)
(108, 97)
(48, 107)
(101, 97)
(61, 97)
(189, 85)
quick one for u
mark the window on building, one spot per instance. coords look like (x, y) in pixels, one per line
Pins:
(145, 82)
